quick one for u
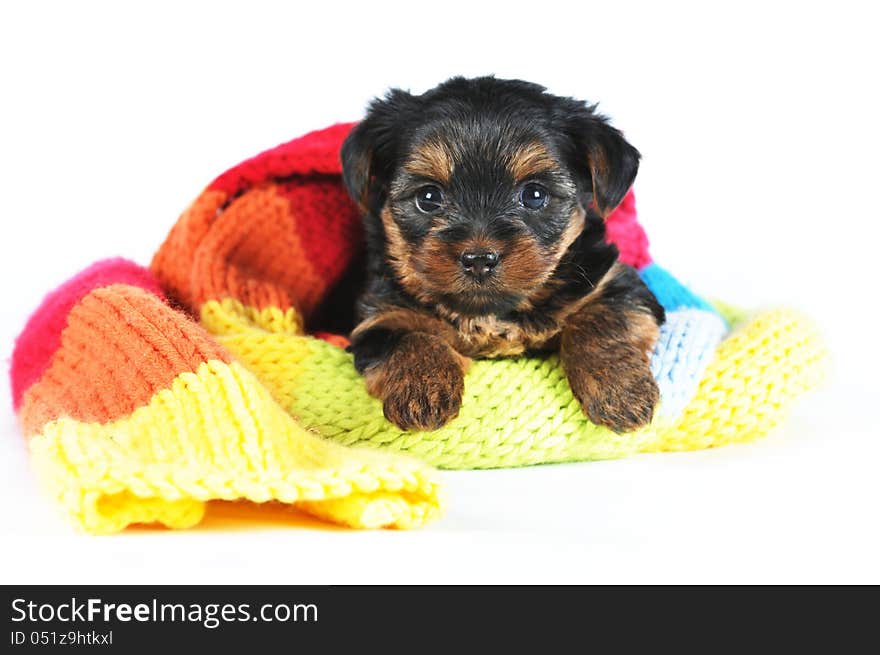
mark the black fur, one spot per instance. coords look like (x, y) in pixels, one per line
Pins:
(493, 117)
(483, 125)
(371, 347)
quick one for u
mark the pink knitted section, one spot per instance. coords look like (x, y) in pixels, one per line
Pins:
(624, 230)
(41, 336)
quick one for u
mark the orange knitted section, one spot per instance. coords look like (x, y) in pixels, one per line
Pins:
(121, 346)
(254, 254)
(172, 263)
(252, 251)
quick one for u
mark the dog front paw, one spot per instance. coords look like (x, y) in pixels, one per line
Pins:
(622, 398)
(425, 405)
(623, 407)
(606, 353)
(420, 382)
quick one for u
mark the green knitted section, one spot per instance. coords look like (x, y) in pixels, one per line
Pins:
(519, 412)
(543, 421)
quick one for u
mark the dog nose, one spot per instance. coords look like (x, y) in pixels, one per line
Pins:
(479, 263)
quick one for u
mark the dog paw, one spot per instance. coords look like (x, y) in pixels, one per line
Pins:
(421, 383)
(623, 401)
(425, 405)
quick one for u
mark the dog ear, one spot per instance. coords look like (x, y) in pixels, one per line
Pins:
(612, 161)
(371, 149)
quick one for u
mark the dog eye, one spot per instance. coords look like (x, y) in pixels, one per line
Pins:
(429, 198)
(534, 196)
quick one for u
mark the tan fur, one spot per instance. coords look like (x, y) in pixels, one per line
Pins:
(644, 332)
(408, 320)
(530, 161)
(437, 265)
(525, 266)
(480, 336)
(431, 160)
(420, 383)
(606, 356)
(399, 256)
(551, 260)
(599, 171)
(572, 231)
(434, 268)
(489, 336)
(363, 171)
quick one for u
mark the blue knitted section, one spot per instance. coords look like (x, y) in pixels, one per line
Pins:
(671, 293)
(686, 345)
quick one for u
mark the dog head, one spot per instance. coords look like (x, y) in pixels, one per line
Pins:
(478, 187)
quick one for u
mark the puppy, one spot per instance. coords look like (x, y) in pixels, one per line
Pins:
(484, 202)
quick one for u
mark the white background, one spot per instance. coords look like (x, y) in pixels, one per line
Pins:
(758, 126)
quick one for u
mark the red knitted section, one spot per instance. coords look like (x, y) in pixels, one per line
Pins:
(327, 222)
(41, 336)
(316, 153)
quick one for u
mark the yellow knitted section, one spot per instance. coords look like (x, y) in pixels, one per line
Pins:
(218, 434)
(271, 344)
(521, 411)
(230, 316)
(747, 390)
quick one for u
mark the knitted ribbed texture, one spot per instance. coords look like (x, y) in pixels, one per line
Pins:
(747, 389)
(39, 340)
(521, 411)
(139, 415)
(217, 434)
(686, 345)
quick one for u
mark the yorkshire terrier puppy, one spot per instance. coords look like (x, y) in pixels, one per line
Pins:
(484, 202)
